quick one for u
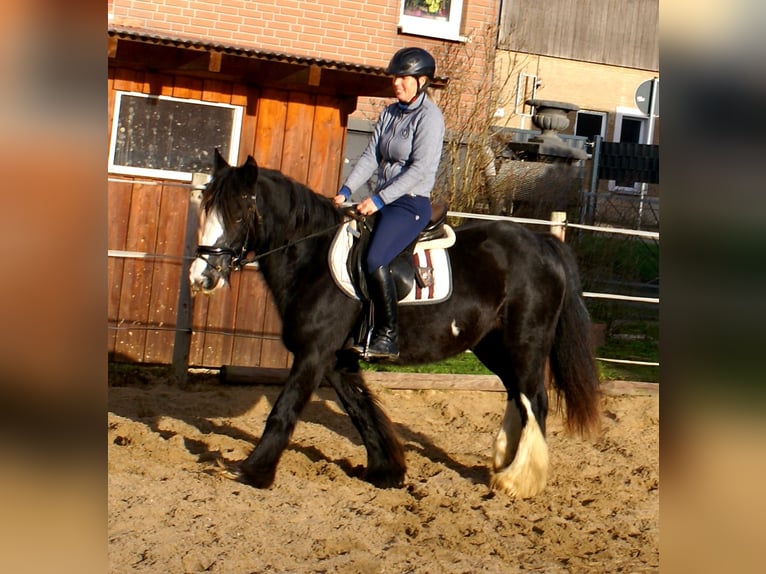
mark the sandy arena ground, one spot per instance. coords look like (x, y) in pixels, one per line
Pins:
(172, 511)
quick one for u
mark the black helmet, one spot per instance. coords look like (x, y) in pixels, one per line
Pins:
(412, 62)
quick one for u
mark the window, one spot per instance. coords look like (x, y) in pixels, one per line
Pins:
(433, 18)
(590, 125)
(629, 127)
(629, 130)
(357, 138)
(171, 138)
(526, 89)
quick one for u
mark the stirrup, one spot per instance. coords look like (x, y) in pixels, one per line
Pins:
(374, 357)
(359, 345)
(357, 348)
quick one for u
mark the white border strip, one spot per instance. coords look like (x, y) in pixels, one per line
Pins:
(620, 297)
(636, 232)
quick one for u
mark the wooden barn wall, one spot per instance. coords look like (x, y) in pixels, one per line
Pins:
(621, 33)
(298, 133)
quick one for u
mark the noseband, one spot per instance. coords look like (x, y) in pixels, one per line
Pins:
(238, 259)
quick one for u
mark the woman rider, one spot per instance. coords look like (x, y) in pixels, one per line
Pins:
(404, 149)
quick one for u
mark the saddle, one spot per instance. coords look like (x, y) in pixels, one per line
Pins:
(422, 273)
(407, 268)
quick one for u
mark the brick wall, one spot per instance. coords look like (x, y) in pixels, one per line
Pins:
(358, 31)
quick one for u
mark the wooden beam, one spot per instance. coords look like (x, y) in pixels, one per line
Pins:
(214, 65)
(111, 47)
(315, 75)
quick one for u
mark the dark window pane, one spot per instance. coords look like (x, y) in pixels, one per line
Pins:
(588, 125)
(631, 130)
(172, 135)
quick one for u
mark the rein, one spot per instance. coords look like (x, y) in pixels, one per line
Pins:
(255, 258)
(238, 260)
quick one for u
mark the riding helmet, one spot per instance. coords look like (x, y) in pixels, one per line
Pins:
(412, 62)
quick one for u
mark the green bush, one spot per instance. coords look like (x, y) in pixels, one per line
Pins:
(603, 258)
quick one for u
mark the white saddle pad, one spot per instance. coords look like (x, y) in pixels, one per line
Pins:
(431, 253)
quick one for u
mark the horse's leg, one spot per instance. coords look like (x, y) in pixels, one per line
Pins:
(520, 453)
(259, 468)
(385, 456)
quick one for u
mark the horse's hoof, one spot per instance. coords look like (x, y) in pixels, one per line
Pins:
(258, 479)
(385, 479)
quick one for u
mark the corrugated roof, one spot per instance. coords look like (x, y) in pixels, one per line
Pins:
(155, 37)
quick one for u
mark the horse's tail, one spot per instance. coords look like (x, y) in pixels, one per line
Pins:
(572, 360)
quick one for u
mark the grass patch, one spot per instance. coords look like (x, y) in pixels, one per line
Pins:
(628, 349)
(638, 343)
(462, 364)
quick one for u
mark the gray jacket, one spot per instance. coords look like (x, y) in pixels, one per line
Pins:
(405, 148)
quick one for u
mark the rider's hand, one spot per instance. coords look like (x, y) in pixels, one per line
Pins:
(367, 207)
(343, 194)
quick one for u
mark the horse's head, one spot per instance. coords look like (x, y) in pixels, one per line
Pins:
(225, 231)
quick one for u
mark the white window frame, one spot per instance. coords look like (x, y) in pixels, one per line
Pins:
(604, 121)
(445, 27)
(522, 95)
(116, 168)
(634, 114)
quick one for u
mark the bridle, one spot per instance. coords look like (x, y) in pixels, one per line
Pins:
(238, 257)
(237, 261)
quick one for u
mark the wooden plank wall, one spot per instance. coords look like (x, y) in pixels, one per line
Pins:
(299, 133)
(615, 32)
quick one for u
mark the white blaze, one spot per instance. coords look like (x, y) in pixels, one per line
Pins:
(210, 231)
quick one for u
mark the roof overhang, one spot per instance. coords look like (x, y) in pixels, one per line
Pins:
(160, 53)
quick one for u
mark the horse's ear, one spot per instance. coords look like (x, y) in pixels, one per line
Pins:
(219, 162)
(251, 170)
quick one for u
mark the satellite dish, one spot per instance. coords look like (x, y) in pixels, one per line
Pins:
(644, 95)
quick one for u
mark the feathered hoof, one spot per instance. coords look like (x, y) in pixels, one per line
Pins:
(523, 472)
(517, 483)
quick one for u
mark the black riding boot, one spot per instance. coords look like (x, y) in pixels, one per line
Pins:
(386, 312)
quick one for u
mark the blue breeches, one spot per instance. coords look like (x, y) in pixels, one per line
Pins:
(398, 224)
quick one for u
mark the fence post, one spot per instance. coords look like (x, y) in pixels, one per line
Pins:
(588, 213)
(557, 228)
(182, 341)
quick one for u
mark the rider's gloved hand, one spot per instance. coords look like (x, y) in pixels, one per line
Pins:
(343, 194)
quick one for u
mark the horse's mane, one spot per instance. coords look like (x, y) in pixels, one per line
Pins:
(280, 199)
(296, 206)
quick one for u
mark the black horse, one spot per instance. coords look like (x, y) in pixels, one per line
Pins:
(516, 303)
